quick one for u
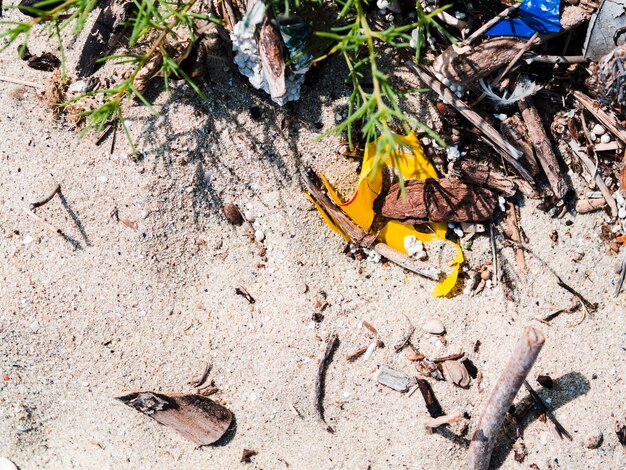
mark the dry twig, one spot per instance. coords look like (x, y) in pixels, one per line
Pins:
(500, 401)
(47, 199)
(319, 382)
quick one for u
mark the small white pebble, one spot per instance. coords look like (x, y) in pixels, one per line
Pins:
(500, 117)
(598, 130)
(144, 214)
(338, 117)
(34, 326)
(370, 350)
(102, 179)
(6, 464)
(622, 212)
(593, 136)
(27, 240)
(259, 235)
(605, 138)
(459, 15)
(502, 203)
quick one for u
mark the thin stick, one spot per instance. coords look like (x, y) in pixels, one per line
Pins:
(500, 401)
(17, 81)
(47, 199)
(360, 237)
(494, 138)
(586, 161)
(543, 407)
(515, 59)
(44, 223)
(494, 255)
(432, 404)
(203, 377)
(319, 382)
(555, 59)
(543, 147)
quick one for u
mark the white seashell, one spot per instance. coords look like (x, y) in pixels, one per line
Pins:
(605, 138)
(434, 327)
(598, 130)
(6, 464)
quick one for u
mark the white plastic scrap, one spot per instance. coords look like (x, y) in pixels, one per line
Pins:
(249, 62)
(453, 153)
(414, 248)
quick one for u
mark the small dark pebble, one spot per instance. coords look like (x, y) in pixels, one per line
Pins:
(545, 381)
(255, 112)
(233, 214)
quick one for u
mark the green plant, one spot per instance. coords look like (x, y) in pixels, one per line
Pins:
(379, 109)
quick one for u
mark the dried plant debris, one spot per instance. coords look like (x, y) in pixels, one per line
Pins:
(247, 454)
(196, 417)
(46, 61)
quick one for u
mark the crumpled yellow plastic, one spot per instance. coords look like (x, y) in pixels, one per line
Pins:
(410, 161)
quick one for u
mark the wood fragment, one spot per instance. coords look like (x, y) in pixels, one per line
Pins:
(451, 357)
(494, 138)
(47, 199)
(432, 404)
(361, 238)
(44, 223)
(543, 407)
(509, 383)
(494, 255)
(198, 418)
(245, 294)
(356, 354)
(584, 206)
(370, 327)
(543, 147)
(247, 454)
(320, 380)
(513, 128)
(554, 59)
(588, 164)
(482, 175)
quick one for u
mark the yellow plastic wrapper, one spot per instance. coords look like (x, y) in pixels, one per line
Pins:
(411, 162)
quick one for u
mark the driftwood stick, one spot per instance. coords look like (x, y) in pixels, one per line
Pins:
(543, 147)
(319, 382)
(500, 401)
(494, 138)
(362, 238)
(591, 168)
(514, 129)
(47, 199)
(601, 115)
(44, 223)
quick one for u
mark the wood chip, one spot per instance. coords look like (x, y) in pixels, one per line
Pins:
(393, 379)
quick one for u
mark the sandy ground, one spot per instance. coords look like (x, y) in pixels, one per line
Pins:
(116, 308)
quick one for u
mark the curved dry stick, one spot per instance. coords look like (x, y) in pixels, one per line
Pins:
(506, 388)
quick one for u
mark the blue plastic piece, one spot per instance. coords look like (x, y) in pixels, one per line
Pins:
(535, 16)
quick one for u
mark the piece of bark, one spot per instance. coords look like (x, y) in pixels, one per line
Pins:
(482, 175)
(500, 401)
(393, 379)
(493, 137)
(543, 147)
(360, 237)
(443, 200)
(321, 379)
(513, 128)
(584, 206)
(198, 418)
(512, 220)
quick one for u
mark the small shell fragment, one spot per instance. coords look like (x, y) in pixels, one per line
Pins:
(434, 327)
(456, 373)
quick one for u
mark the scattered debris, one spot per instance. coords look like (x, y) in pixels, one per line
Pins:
(233, 214)
(519, 451)
(561, 431)
(198, 418)
(245, 294)
(203, 378)
(432, 405)
(455, 372)
(545, 381)
(433, 423)
(405, 340)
